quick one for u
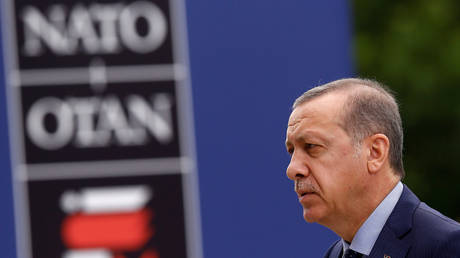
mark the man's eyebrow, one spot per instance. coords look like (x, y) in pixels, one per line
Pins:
(311, 135)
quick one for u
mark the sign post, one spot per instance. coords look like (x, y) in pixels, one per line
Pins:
(102, 142)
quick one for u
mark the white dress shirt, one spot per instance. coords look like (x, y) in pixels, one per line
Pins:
(365, 238)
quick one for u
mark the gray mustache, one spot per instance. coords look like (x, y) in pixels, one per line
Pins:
(304, 186)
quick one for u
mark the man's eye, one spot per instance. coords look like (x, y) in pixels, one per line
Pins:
(309, 146)
(290, 151)
(313, 150)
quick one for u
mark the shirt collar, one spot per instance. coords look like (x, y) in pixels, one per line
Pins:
(365, 238)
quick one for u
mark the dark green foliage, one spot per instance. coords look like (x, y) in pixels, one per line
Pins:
(414, 48)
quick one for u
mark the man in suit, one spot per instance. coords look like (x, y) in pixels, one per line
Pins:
(345, 139)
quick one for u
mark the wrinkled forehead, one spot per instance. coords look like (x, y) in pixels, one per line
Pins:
(298, 115)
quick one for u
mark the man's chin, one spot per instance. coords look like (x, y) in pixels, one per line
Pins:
(310, 216)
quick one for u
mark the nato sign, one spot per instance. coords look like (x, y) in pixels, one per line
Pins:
(103, 156)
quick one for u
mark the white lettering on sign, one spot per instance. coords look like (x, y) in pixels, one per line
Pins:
(100, 122)
(36, 123)
(92, 200)
(93, 29)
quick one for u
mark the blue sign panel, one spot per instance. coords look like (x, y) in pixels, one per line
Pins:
(249, 60)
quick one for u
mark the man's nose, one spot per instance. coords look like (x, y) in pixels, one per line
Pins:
(297, 168)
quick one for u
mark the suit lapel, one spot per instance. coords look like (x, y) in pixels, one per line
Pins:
(336, 251)
(394, 240)
(388, 244)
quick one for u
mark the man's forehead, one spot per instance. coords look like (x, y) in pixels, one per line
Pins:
(303, 116)
(296, 118)
(305, 126)
(321, 109)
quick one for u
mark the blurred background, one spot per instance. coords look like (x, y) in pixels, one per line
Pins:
(414, 48)
(249, 60)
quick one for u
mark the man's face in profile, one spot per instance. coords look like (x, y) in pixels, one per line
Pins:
(325, 165)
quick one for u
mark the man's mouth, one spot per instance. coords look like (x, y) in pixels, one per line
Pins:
(305, 193)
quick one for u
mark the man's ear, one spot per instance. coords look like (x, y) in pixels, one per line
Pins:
(379, 146)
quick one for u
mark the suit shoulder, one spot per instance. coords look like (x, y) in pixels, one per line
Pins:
(435, 233)
(450, 247)
(432, 220)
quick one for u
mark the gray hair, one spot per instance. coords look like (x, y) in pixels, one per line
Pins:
(370, 108)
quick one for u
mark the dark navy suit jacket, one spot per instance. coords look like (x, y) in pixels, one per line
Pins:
(413, 230)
